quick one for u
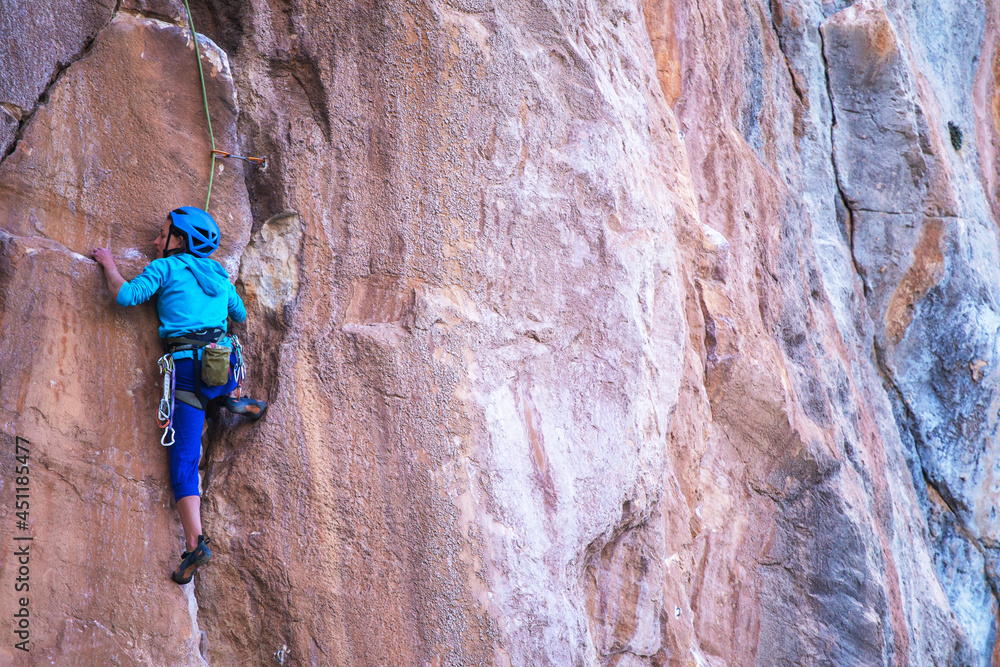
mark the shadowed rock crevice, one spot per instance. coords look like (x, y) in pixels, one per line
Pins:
(223, 21)
(303, 69)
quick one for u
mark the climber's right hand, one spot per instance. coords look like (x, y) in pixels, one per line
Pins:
(103, 256)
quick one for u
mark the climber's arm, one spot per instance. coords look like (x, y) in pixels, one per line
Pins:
(115, 280)
(140, 288)
(236, 309)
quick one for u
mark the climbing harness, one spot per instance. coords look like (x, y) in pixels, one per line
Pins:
(165, 413)
(208, 117)
(192, 349)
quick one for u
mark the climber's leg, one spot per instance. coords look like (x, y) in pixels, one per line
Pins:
(189, 508)
(184, 456)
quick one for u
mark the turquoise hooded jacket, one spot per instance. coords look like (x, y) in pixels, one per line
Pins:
(193, 293)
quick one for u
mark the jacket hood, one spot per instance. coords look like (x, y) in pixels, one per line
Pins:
(211, 277)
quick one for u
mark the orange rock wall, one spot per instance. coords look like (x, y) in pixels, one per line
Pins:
(621, 334)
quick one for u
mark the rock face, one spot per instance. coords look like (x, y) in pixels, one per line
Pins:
(620, 334)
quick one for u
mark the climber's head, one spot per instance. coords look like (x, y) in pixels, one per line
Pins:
(197, 230)
(168, 243)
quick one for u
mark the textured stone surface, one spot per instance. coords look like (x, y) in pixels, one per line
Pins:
(98, 504)
(100, 163)
(111, 181)
(606, 334)
(41, 42)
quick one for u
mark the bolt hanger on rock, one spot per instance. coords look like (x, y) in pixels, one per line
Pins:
(259, 161)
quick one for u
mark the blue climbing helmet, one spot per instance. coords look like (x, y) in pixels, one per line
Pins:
(199, 230)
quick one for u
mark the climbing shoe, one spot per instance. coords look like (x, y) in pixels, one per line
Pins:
(250, 407)
(191, 561)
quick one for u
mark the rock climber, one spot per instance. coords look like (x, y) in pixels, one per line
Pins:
(193, 299)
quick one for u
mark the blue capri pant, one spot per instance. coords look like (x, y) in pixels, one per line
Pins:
(185, 453)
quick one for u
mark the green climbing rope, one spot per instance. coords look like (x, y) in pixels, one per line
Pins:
(204, 97)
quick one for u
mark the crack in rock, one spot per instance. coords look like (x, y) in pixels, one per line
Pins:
(61, 68)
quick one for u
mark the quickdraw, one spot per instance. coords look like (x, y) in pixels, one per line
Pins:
(259, 161)
(165, 412)
(240, 372)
